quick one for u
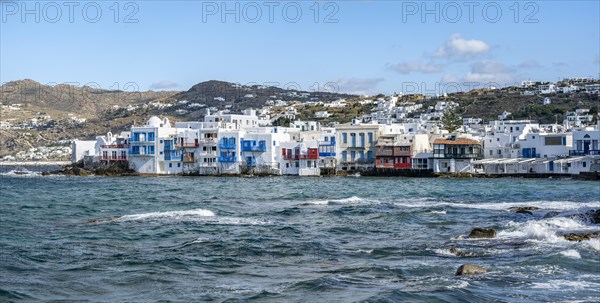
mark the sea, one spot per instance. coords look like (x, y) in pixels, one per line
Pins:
(293, 239)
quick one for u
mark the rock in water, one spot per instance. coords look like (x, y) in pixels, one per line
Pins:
(521, 208)
(594, 216)
(551, 214)
(456, 251)
(522, 211)
(470, 269)
(581, 237)
(478, 232)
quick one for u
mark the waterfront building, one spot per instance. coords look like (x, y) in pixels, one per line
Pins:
(545, 145)
(502, 138)
(356, 145)
(110, 148)
(455, 155)
(300, 158)
(147, 145)
(586, 141)
(81, 149)
(259, 149)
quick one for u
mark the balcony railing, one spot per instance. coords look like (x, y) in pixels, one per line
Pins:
(298, 157)
(591, 152)
(227, 145)
(188, 159)
(458, 156)
(140, 153)
(188, 145)
(259, 148)
(113, 146)
(227, 159)
(326, 154)
(113, 158)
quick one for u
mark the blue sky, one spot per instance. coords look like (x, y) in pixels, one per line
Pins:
(351, 46)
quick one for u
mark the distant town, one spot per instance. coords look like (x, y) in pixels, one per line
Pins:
(390, 139)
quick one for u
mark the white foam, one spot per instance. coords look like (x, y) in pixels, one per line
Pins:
(460, 284)
(565, 285)
(21, 173)
(594, 244)
(571, 253)
(546, 229)
(543, 205)
(351, 200)
(236, 221)
(444, 252)
(438, 212)
(169, 214)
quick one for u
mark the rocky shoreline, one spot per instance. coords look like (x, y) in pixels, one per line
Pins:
(77, 169)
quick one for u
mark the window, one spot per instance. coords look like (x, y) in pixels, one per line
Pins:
(151, 136)
(353, 139)
(345, 138)
(361, 155)
(517, 128)
(584, 164)
(370, 155)
(553, 141)
(178, 164)
(151, 150)
(352, 155)
(297, 164)
(370, 137)
(362, 139)
(491, 152)
(170, 164)
(499, 152)
(344, 155)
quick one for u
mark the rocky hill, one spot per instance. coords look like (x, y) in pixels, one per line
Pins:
(35, 114)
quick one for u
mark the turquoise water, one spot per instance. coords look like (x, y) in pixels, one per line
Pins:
(289, 239)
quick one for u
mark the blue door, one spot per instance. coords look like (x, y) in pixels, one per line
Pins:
(551, 166)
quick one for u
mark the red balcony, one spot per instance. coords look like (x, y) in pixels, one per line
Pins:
(113, 146)
(113, 158)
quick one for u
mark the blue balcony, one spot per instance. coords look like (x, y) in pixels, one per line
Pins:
(227, 159)
(327, 154)
(251, 145)
(583, 152)
(171, 155)
(227, 143)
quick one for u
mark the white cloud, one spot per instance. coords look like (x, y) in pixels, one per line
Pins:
(459, 48)
(165, 84)
(416, 66)
(358, 86)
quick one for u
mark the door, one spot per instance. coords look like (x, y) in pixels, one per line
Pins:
(551, 166)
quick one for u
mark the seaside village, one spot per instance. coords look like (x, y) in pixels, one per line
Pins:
(226, 143)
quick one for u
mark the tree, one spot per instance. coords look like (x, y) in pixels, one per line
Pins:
(282, 121)
(451, 121)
